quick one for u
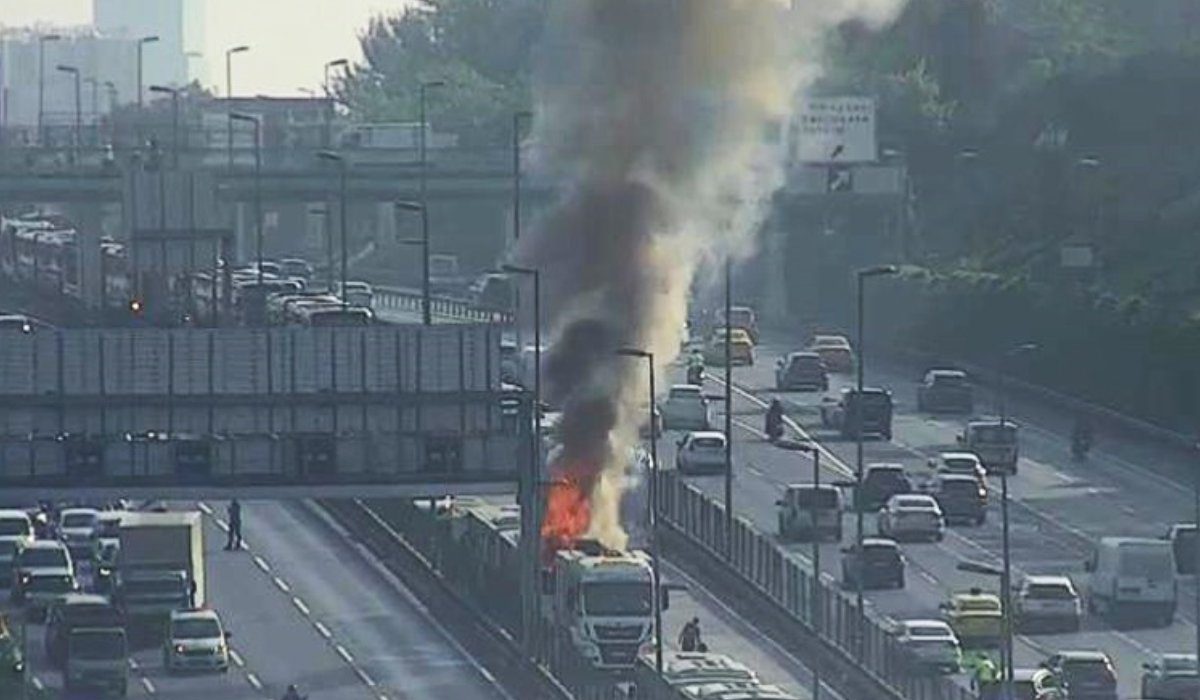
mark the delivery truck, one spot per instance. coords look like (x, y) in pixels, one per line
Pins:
(160, 564)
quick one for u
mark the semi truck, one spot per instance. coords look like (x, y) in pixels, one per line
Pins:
(160, 564)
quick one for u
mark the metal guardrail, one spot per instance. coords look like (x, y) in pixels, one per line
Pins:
(859, 639)
(410, 300)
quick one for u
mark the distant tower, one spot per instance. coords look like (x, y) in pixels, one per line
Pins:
(179, 25)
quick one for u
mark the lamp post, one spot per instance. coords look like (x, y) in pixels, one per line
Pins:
(229, 91)
(323, 210)
(423, 242)
(174, 93)
(860, 370)
(75, 140)
(427, 318)
(652, 511)
(140, 56)
(94, 84)
(336, 63)
(41, 116)
(258, 215)
(1006, 574)
(815, 553)
(518, 117)
(341, 161)
(728, 408)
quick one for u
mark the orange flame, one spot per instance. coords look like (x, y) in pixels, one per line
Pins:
(567, 515)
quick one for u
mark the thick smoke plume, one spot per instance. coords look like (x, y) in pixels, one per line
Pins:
(654, 119)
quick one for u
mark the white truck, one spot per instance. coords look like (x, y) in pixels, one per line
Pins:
(603, 598)
(1134, 578)
(160, 565)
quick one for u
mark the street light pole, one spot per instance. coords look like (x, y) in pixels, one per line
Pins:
(336, 63)
(652, 514)
(41, 116)
(229, 92)
(323, 210)
(174, 93)
(860, 371)
(75, 140)
(518, 117)
(140, 45)
(728, 408)
(94, 83)
(258, 214)
(341, 161)
(426, 310)
(811, 448)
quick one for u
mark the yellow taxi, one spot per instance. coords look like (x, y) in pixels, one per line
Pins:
(741, 347)
(975, 617)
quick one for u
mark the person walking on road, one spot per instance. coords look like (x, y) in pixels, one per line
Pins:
(689, 636)
(235, 526)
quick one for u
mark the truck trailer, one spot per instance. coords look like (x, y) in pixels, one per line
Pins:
(160, 565)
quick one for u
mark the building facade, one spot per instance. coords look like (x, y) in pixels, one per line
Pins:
(178, 24)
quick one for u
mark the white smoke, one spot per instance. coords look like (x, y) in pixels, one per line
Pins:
(655, 117)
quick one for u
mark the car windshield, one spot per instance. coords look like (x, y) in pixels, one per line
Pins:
(1087, 671)
(913, 504)
(51, 584)
(1153, 563)
(1179, 665)
(13, 527)
(979, 605)
(686, 394)
(879, 552)
(822, 499)
(98, 645)
(801, 362)
(91, 615)
(960, 464)
(949, 380)
(1049, 591)
(709, 443)
(617, 598)
(926, 631)
(830, 342)
(195, 628)
(79, 520)
(960, 488)
(44, 558)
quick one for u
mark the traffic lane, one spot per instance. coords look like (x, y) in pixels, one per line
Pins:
(384, 630)
(277, 644)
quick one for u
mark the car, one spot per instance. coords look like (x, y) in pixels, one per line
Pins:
(42, 555)
(108, 529)
(1084, 675)
(77, 530)
(195, 640)
(741, 318)
(912, 515)
(1029, 684)
(104, 567)
(801, 370)
(700, 452)
(810, 512)
(76, 610)
(38, 591)
(685, 408)
(692, 667)
(1182, 537)
(994, 442)
(12, 661)
(881, 482)
(961, 498)
(1131, 580)
(960, 463)
(359, 294)
(975, 617)
(835, 352)
(931, 644)
(1171, 677)
(296, 267)
(1045, 601)
(842, 413)
(741, 347)
(945, 391)
(16, 531)
(879, 563)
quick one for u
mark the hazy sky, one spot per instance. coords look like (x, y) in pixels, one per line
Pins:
(290, 39)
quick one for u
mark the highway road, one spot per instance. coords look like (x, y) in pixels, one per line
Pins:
(1059, 507)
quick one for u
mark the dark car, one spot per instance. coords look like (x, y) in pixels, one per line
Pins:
(945, 391)
(961, 498)
(870, 409)
(881, 482)
(75, 611)
(878, 564)
(1182, 537)
(1171, 677)
(1084, 675)
(1028, 683)
(801, 370)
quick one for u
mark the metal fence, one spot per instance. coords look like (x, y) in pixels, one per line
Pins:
(408, 300)
(861, 637)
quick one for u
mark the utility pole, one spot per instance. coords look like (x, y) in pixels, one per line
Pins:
(229, 93)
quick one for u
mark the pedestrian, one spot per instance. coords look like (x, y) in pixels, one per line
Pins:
(192, 593)
(689, 636)
(235, 526)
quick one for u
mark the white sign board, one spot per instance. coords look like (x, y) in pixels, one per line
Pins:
(836, 130)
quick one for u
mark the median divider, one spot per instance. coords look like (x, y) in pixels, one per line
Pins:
(779, 594)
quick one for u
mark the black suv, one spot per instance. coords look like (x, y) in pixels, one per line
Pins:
(879, 564)
(945, 391)
(881, 482)
(961, 497)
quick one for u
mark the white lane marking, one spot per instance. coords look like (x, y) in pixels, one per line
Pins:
(301, 606)
(282, 585)
(133, 664)
(221, 525)
(37, 684)
(929, 577)
(756, 471)
(149, 686)
(364, 677)
(1134, 643)
(341, 650)
(322, 629)
(262, 564)
(204, 508)
(237, 658)
(254, 682)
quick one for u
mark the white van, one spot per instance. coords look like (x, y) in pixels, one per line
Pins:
(1133, 578)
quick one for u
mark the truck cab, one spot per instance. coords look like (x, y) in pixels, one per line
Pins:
(604, 599)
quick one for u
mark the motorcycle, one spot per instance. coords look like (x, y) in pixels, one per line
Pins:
(695, 375)
(774, 427)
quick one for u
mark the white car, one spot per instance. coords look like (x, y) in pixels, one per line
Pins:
(685, 408)
(1048, 601)
(701, 452)
(960, 463)
(932, 644)
(77, 529)
(16, 531)
(195, 641)
(360, 294)
(912, 516)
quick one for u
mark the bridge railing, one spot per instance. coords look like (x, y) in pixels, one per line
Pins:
(410, 300)
(860, 638)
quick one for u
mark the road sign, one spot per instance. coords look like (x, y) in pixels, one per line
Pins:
(836, 129)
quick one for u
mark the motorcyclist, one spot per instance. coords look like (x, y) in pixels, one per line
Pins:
(1081, 436)
(774, 420)
(293, 694)
(695, 368)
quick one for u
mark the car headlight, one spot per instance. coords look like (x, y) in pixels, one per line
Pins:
(178, 648)
(18, 667)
